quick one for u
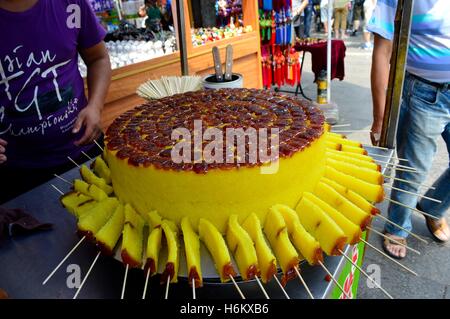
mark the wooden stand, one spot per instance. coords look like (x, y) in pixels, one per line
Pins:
(247, 61)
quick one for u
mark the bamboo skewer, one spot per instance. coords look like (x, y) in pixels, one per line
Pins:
(85, 154)
(166, 296)
(63, 179)
(193, 289)
(412, 208)
(101, 148)
(393, 240)
(378, 147)
(340, 125)
(403, 169)
(412, 193)
(281, 286)
(303, 282)
(334, 280)
(408, 182)
(402, 228)
(57, 189)
(389, 257)
(63, 260)
(168, 85)
(365, 274)
(391, 157)
(124, 282)
(87, 275)
(350, 131)
(237, 287)
(146, 283)
(75, 163)
(262, 288)
(395, 164)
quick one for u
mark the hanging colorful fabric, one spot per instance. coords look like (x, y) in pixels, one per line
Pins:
(273, 28)
(279, 39)
(266, 64)
(279, 62)
(262, 25)
(294, 67)
(289, 26)
(267, 5)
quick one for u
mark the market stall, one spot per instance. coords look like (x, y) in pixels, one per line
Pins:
(138, 145)
(199, 40)
(27, 260)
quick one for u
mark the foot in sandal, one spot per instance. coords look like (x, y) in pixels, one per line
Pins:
(438, 228)
(392, 248)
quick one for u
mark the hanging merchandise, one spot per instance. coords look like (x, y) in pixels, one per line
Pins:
(279, 62)
(293, 68)
(266, 62)
(280, 65)
(273, 28)
(267, 5)
(288, 26)
(278, 33)
(265, 23)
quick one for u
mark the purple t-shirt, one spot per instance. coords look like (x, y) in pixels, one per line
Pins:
(41, 89)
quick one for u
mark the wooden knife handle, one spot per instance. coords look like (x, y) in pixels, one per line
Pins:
(217, 64)
(229, 63)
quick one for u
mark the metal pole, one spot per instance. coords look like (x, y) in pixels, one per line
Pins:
(182, 37)
(403, 19)
(119, 8)
(330, 13)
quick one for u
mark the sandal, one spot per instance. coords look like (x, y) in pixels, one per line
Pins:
(394, 242)
(438, 228)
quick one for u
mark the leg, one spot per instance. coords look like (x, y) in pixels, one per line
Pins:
(420, 124)
(324, 18)
(356, 25)
(344, 22)
(368, 11)
(442, 187)
(297, 31)
(337, 22)
(308, 19)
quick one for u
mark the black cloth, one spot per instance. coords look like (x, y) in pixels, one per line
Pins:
(17, 222)
(16, 181)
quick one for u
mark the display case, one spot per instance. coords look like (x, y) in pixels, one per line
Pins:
(130, 69)
(247, 53)
(137, 53)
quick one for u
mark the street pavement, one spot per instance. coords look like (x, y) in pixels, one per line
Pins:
(353, 98)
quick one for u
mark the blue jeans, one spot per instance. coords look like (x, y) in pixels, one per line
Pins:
(307, 20)
(424, 116)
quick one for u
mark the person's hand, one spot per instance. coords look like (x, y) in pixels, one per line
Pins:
(142, 11)
(3, 144)
(89, 118)
(375, 132)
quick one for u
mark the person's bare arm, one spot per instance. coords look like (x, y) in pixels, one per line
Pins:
(381, 58)
(3, 144)
(301, 8)
(98, 80)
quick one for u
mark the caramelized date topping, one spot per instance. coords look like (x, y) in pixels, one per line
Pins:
(168, 271)
(228, 271)
(193, 275)
(143, 136)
